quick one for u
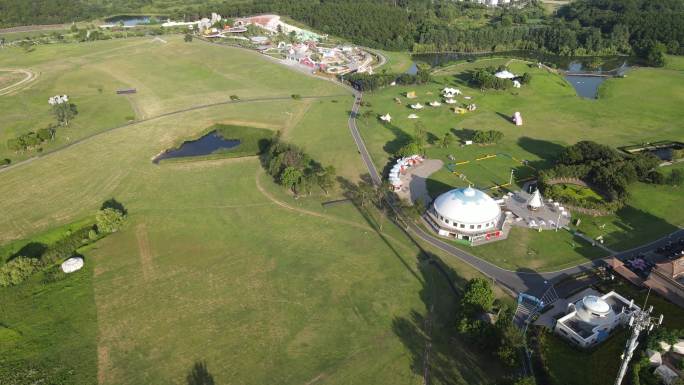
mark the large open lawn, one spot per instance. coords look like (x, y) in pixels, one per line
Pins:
(216, 263)
(644, 106)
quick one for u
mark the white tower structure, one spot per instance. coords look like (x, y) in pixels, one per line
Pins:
(639, 321)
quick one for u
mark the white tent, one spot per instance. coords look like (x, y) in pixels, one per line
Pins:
(435, 103)
(72, 264)
(413, 116)
(417, 106)
(505, 75)
(535, 201)
(450, 92)
(386, 118)
(450, 101)
(516, 84)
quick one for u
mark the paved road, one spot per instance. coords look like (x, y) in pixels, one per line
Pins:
(523, 280)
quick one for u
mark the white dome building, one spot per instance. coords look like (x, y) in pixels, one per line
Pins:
(465, 213)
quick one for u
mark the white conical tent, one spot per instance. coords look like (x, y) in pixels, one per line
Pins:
(386, 118)
(535, 201)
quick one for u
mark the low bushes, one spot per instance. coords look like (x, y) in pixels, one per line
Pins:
(20, 267)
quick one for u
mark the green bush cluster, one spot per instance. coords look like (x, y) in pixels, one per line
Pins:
(371, 82)
(487, 137)
(485, 79)
(30, 140)
(502, 337)
(602, 167)
(17, 270)
(294, 169)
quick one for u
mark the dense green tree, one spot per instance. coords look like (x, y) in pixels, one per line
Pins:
(291, 178)
(478, 295)
(64, 112)
(109, 220)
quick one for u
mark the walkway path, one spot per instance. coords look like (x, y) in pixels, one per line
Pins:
(415, 181)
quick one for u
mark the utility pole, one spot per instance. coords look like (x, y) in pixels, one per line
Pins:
(639, 320)
(510, 181)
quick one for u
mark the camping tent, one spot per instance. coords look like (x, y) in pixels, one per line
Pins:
(386, 118)
(413, 116)
(417, 106)
(435, 103)
(535, 202)
(411, 94)
(450, 101)
(505, 75)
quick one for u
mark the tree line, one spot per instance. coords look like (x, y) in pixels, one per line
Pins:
(647, 28)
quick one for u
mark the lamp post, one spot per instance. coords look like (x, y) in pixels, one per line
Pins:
(639, 320)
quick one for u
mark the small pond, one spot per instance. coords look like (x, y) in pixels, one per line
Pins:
(132, 21)
(586, 86)
(206, 145)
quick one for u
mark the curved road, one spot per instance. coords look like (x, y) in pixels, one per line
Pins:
(515, 281)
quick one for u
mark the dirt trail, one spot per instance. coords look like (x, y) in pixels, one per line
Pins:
(145, 251)
(30, 77)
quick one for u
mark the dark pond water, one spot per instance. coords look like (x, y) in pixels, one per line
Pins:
(585, 86)
(131, 21)
(208, 144)
(413, 70)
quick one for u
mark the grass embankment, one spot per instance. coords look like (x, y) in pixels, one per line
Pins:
(219, 268)
(554, 116)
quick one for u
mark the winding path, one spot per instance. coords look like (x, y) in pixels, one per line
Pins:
(29, 77)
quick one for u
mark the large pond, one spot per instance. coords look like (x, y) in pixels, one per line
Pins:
(132, 21)
(586, 85)
(206, 145)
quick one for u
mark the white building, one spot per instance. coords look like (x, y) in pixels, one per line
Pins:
(591, 319)
(466, 213)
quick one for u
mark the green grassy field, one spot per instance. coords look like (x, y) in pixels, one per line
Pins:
(184, 76)
(554, 116)
(217, 263)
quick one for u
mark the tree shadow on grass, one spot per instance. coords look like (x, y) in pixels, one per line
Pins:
(112, 203)
(438, 353)
(401, 138)
(547, 151)
(505, 117)
(430, 334)
(463, 134)
(30, 250)
(199, 375)
(351, 191)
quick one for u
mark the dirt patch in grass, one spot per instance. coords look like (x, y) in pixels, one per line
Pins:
(145, 251)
